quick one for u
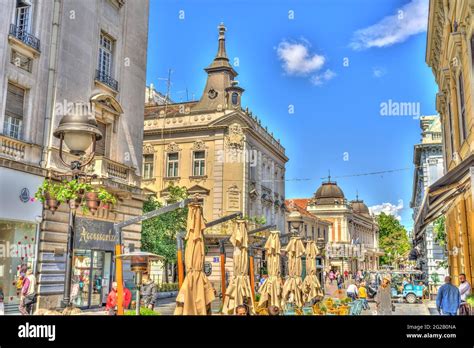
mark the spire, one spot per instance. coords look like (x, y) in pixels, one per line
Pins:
(357, 195)
(221, 53)
(329, 175)
(221, 61)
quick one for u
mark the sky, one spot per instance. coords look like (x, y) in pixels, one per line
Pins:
(341, 83)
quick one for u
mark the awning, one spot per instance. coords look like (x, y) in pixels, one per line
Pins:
(441, 194)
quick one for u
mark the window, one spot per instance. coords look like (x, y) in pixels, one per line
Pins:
(14, 110)
(319, 232)
(235, 98)
(172, 165)
(148, 166)
(22, 19)
(462, 109)
(451, 130)
(100, 146)
(199, 163)
(105, 55)
(21, 61)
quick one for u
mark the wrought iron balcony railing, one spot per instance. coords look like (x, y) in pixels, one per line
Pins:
(25, 37)
(106, 79)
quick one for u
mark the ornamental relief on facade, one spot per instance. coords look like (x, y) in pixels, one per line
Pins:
(235, 137)
(173, 147)
(148, 149)
(199, 145)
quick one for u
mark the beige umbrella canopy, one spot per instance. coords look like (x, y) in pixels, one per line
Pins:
(239, 289)
(196, 293)
(270, 291)
(311, 285)
(292, 290)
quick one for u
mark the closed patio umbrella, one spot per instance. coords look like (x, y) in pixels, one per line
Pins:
(311, 285)
(196, 293)
(270, 291)
(292, 290)
(239, 289)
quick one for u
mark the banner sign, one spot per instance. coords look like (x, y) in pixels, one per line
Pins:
(94, 234)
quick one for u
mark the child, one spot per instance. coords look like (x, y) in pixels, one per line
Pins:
(363, 295)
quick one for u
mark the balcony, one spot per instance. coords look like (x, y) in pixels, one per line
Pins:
(19, 150)
(107, 80)
(25, 37)
(120, 173)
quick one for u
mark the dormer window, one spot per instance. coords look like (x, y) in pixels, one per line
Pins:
(235, 98)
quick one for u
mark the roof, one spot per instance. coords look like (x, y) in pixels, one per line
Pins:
(300, 205)
(359, 207)
(329, 193)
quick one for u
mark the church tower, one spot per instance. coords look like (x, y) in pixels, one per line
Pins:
(221, 90)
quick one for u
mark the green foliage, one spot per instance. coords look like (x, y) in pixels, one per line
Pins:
(470, 300)
(257, 220)
(143, 311)
(435, 278)
(393, 239)
(439, 229)
(159, 233)
(53, 189)
(166, 287)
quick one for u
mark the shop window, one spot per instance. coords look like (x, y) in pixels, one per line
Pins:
(14, 112)
(172, 164)
(199, 163)
(147, 166)
(17, 242)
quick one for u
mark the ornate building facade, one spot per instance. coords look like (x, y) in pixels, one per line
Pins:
(353, 236)
(429, 167)
(217, 149)
(56, 56)
(449, 53)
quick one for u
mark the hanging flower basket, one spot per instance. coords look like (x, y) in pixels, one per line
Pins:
(92, 201)
(51, 203)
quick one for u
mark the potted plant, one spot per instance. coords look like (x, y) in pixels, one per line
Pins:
(74, 192)
(108, 200)
(51, 195)
(95, 196)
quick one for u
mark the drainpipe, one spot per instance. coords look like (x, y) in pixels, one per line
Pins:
(51, 94)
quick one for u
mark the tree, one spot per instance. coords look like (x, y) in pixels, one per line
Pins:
(159, 233)
(393, 239)
(440, 231)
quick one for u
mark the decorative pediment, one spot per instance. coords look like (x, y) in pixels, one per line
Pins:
(199, 145)
(148, 149)
(172, 147)
(107, 101)
(234, 117)
(198, 189)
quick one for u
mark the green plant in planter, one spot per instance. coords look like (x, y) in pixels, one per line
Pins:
(49, 190)
(106, 197)
(143, 311)
(470, 300)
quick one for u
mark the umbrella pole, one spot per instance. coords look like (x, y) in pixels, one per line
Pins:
(179, 257)
(252, 273)
(119, 279)
(222, 261)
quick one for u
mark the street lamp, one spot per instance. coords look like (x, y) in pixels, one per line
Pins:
(78, 131)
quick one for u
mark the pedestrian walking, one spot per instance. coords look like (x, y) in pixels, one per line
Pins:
(340, 281)
(363, 295)
(28, 293)
(241, 310)
(127, 297)
(464, 291)
(148, 292)
(2, 307)
(111, 303)
(352, 291)
(383, 298)
(331, 276)
(448, 298)
(346, 274)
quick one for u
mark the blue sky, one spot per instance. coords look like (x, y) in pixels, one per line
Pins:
(334, 61)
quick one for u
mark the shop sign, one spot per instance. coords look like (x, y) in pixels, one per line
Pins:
(94, 234)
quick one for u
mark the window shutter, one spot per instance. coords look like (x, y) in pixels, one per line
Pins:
(100, 145)
(15, 101)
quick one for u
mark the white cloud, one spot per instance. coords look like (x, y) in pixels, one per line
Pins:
(388, 208)
(319, 79)
(297, 59)
(379, 72)
(410, 19)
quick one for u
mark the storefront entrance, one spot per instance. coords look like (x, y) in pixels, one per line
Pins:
(91, 277)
